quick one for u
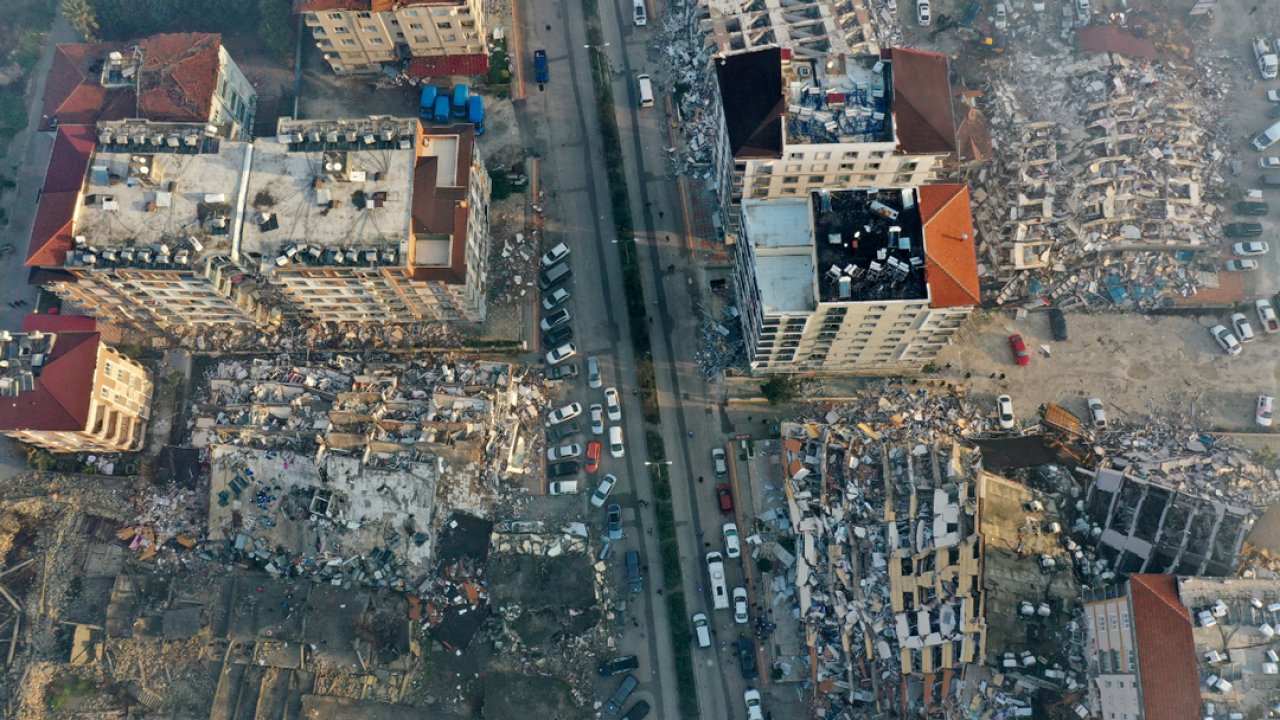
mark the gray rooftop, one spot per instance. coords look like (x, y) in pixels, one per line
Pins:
(781, 233)
(838, 99)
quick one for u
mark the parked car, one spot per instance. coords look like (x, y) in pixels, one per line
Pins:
(557, 337)
(603, 489)
(562, 372)
(555, 299)
(1097, 413)
(1252, 207)
(1273, 112)
(1058, 324)
(732, 547)
(1019, 349)
(1270, 162)
(593, 371)
(1001, 16)
(563, 469)
(613, 522)
(752, 698)
(616, 447)
(609, 668)
(923, 16)
(1004, 408)
(1242, 229)
(1252, 247)
(1266, 315)
(568, 412)
(718, 464)
(597, 419)
(611, 405)
(593, 456)
(541, 73)
(554, 319)
(1262, 415)
(725, 498)
(1273, 96)
(641, 709)
(555, 255)
(740, 615)
(614, 706)
(747, 658)
(564, 452)
(701, 630)
(1240, 265)
(563, 487)
(1240, 325)
(556, 433)
(562, 353)
(1228, 342)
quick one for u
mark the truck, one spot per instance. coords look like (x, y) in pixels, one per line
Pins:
(460, 92)
(427, 101)
(441, 111)
(1268, 63)
(540, 71)
(475, 113)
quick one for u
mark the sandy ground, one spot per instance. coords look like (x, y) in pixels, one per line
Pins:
(1136, 364)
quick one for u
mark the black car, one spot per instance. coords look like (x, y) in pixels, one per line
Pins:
(1058, 324)
(747, 656)
(641, 708)
(562, 469)
(559, 432)
(557, 337)
(618, 665)
(1242, 229)
(562, 372)
(1252, 207)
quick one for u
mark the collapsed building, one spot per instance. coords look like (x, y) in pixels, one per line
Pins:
(166, 225)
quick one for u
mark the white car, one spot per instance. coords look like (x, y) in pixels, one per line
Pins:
(1269, 162)
(1002, 16)
(752, 698)
(563, 487)
(611, 405)
(555, 255)
(1004, 407)
(1252, 247)
(1240, 265)
(603, 489)
(562, 353)
(922, 13)
(555, 319)
(1273, 95)
(564, 452)
(568, 412)
(718, 462)
(555, 299)
(1082, 7)
(1262, 415)
(732, 547)
(1240, 324)
(1097, 413)
(1228, 342)
(740, 606)
(593, 372)
(616, 448)
(1267, 316)
(642, 17)
(597, 419)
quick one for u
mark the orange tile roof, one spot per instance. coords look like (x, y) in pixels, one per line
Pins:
(1167, 669)
(51, 231)
(951, 256)
(179, 76)
(63, 389)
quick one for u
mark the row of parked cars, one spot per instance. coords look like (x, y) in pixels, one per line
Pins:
(1232, 340)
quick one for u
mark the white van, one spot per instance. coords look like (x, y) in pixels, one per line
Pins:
(701, 630)
(646, 91)
(715, 570)
(1262, 141)
(642, 15)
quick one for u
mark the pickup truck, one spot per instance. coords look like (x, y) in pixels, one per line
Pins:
(540, 71)
(1266, 58)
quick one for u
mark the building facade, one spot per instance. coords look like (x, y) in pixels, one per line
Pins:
(167, 225)
(855, 282)
(63, 389)
(358, 36)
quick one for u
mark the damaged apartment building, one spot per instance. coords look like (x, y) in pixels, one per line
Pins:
(437, 38)
(164, 225)
(889, 566)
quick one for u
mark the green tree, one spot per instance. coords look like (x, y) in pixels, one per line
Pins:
(780, 389)
(275, 28)
(82, 17)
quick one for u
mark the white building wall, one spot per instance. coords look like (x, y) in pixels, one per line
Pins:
(1114, 653)
(234, 99)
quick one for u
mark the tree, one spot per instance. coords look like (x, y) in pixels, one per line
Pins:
(779, 389)
(82, 18)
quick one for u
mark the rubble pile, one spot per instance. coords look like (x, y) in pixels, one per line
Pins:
(514, 269)
(1103, 192)
(302, 335)
(721, 342)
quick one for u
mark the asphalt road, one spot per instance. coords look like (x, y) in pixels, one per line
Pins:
(561, 128)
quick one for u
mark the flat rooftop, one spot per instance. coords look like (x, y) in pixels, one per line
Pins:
(847, 246)
(838, 99)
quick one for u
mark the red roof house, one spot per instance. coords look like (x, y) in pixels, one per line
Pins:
(951, 258)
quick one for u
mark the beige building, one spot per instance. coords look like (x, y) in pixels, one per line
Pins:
(64, 390)
(163, 225)
(855, 281)
(358, 36)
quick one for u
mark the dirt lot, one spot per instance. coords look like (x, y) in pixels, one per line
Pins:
(1138, 365)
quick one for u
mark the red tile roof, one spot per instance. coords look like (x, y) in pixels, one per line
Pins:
(951, 256)
(58, 323)
(51, 231)
(1115, 39)
(449, 65)
(63, 389)
(72, 93)
(1167, 669)
(922, 102)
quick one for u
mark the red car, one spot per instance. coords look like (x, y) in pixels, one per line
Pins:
(1019, 348)
(593, 456)
(726, 499)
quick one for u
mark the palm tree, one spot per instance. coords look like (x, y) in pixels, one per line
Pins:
(81, 16)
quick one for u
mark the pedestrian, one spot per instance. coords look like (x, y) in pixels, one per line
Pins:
(633, 391)
(968, 375)
(649, 531)
(659, 591)
(1001, 376)
(701, 533)
(690, 433)
(661, 214)
(993, 376)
